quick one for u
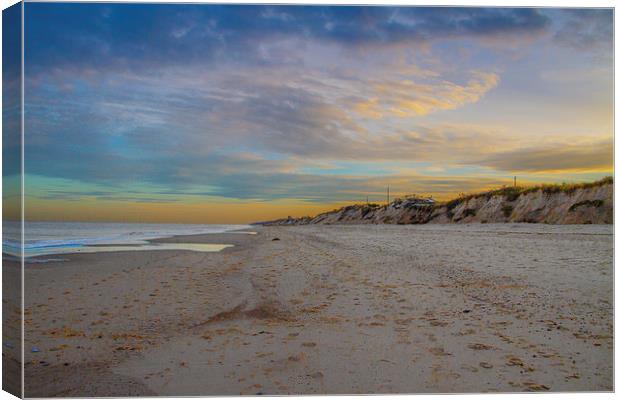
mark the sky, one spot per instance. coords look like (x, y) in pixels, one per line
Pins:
(239, 113)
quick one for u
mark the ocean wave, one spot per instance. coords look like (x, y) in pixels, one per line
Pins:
(43, 238)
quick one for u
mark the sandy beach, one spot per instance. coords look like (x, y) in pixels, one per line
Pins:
(329, 309)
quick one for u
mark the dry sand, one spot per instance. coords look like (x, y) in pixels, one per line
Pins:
(330, 309)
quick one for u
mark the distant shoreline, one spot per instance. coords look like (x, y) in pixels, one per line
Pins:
(53, 238)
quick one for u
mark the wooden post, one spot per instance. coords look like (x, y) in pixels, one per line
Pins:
(515, 181)
(388, 194)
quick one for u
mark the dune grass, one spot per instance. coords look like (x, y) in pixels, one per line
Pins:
(512, 193)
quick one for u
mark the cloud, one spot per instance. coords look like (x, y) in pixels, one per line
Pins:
(560, 157)
(407, 98)
(235, 123)
(247, 102)
(271, 186)
(587, 30)
(104, 36)
(231, 132)
(476, 22)
(268, 110)
(11, 90)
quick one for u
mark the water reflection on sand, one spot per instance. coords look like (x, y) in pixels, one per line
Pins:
(200, 247)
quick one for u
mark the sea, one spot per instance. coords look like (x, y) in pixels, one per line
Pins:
(45, 238)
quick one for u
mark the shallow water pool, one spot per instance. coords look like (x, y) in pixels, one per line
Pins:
(199, 247)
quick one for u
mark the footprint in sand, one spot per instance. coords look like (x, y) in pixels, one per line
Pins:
(316, 375)
(438, 351)
(536, 387)
(479, 346)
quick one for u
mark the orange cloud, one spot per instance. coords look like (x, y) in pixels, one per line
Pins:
(559, 157)
(404, 98)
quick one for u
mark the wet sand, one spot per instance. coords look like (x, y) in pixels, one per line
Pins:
(329, 309)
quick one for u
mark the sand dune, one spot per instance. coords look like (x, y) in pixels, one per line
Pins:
(587, 203)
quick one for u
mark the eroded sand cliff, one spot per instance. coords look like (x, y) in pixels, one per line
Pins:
(590, 203)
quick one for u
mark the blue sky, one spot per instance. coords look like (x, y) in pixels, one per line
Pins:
(283, 109)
